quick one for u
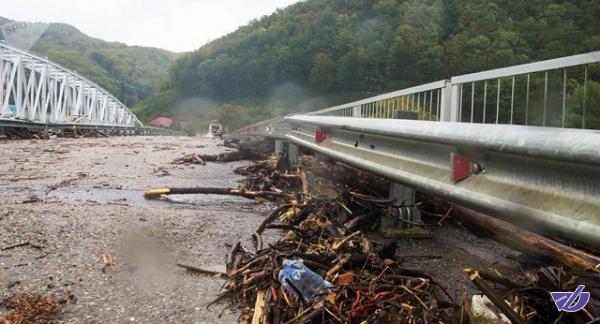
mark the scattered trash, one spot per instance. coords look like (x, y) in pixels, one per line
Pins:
(27, 308)
(107, 263)
(35, 246)
(300, 281)
(246, 150)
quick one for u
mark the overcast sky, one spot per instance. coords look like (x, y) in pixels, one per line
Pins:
(176, 25)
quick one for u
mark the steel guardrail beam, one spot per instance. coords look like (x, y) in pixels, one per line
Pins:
(539, 178)
(273, 128)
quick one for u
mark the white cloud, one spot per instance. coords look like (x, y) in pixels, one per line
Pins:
(177, 25)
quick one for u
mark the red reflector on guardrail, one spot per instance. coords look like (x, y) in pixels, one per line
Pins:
(460, 167)
(320, 135)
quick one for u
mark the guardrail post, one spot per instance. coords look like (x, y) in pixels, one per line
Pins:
(401, 223)
(293, 151)
(356, 112)
(449, 108)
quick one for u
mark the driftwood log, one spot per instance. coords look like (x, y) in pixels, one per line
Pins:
(153, 193)
(344, 174)
(526, 241)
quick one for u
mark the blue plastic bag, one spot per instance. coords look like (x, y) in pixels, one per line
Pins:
(303, 280)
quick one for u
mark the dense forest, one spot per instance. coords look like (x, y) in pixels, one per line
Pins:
(131, 73)
(321, 52)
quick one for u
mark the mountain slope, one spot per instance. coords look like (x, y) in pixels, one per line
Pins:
(131, 73)
(356, 48)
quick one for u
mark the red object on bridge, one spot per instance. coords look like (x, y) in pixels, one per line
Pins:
(461, 167)
(320, 135)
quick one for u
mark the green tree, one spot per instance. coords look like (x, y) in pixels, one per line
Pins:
(322, 73)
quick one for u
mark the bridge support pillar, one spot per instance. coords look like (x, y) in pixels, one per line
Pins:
(2, 132)
(293, 152)
(321, 157)
(404, 216)
(278, 147)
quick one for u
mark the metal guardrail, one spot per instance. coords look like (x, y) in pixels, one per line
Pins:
(543, 178)
(274, 128)
(546, 178)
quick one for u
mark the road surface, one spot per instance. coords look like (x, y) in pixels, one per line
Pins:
(80, 198)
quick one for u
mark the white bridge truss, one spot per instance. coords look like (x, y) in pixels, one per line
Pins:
(34, 90)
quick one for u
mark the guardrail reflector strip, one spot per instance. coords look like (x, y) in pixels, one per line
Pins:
(460, 167)
(320, 135)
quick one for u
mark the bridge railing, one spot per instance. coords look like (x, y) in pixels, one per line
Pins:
(551, 93)
(423, 102)
(34, 89)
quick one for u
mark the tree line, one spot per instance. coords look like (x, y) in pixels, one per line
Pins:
(338, 50)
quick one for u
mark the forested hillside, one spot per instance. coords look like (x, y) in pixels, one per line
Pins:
(131, 73)
(356, 48)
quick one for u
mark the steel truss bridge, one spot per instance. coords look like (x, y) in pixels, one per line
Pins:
(515, 143)
(36, 93)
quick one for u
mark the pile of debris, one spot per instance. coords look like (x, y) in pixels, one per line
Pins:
(24, 133)
(197, 158)
(322, 271)
(325, 268)
(245, 150)
(269, 174)
(24, 308)
(328, 267)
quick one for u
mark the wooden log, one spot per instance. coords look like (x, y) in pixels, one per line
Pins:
(360, 222)
(272, 216)
(152, 193)
(344, 174)
(202, 271)
(528, 242)
(235, 156)
(230, 263)
(259, 316)
(494, 297)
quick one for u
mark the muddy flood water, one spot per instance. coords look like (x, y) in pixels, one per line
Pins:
(73, 203)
